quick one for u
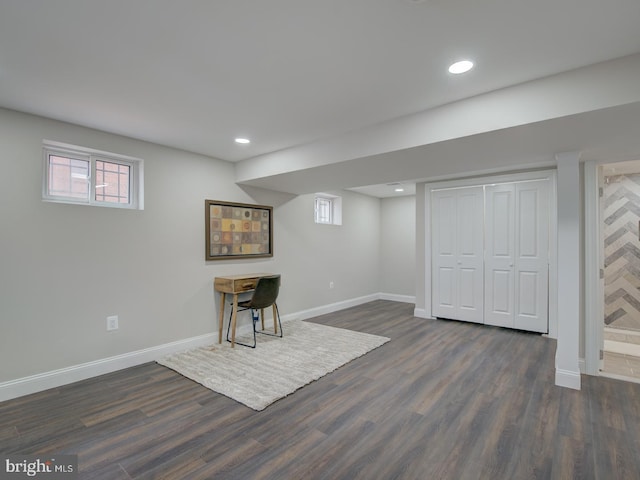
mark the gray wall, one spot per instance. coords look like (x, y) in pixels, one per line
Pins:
(398, 242)
(314, 255)
(65, 268)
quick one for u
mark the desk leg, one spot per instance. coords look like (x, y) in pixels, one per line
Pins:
(221, 316)
(233, 320)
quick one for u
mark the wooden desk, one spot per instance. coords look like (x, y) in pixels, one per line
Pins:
(234, 284)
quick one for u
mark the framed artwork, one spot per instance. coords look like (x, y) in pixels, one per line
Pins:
(238, 230)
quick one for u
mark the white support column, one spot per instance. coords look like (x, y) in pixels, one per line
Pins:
(567, 363)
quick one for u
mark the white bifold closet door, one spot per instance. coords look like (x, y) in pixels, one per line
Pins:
(517, 255)
(457, 254)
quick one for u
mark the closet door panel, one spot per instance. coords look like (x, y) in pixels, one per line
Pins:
(444, 301)
(470, 295)
(528, 304)
(457, 254)
(470, 246)
(500, 301)
(499, 255)
(444, 262)
(532, 256)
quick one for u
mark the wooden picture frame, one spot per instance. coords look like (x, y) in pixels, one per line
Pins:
(237, 230)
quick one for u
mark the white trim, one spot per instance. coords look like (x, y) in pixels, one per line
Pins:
(63, 376)
(553, 256)
(394, 297)
(421, 313)
(490, 179)
(428, 304)
(565, 378)
(593, 291)
(332, 307)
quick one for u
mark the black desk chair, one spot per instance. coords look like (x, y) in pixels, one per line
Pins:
(264, 295)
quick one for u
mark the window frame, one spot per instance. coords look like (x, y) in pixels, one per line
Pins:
(335, 209)
(320, 218)
(92, 156)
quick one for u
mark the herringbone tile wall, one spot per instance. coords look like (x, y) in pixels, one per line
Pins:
(621, 198)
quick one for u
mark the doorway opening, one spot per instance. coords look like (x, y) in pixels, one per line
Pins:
(620, 244)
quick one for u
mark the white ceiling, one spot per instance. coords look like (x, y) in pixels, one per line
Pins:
(195, 74)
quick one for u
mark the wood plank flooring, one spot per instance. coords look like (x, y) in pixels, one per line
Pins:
(441, 400)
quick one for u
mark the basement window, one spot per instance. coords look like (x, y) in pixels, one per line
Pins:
(83, 176)
(328, 209)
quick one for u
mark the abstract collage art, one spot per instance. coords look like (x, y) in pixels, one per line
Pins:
(236, 230)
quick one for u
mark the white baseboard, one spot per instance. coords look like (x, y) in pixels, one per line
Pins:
(63, 376)
(56, 378)
(332, 307)
(420, 313)
(565, 378)
(394, 297)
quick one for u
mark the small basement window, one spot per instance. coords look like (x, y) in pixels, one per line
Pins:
(328, 209)
(80, 175)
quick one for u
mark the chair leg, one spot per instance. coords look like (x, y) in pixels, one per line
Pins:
(276, 322)
(275, 308)
(253, 328)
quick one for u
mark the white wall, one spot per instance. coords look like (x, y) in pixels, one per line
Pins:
(65, 268)
(313, 255)
(398, 244)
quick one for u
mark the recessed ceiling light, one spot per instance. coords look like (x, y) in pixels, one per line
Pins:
(461, 67)
(243, 140)
(399, 189)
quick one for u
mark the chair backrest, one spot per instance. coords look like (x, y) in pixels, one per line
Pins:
(266, 292)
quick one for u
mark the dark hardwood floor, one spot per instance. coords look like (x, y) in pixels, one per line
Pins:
(441, 400)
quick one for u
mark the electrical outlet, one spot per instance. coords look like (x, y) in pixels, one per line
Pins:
(330, 284)
(112, 322)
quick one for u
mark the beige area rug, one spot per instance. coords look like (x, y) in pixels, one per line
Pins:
(277, 366)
